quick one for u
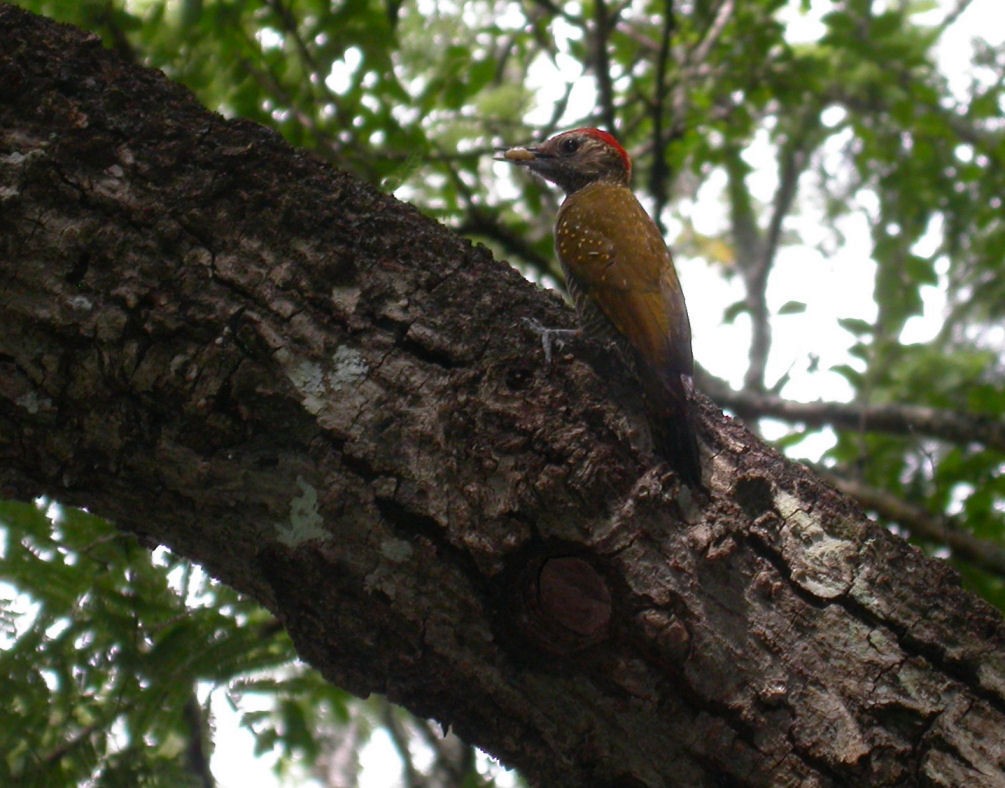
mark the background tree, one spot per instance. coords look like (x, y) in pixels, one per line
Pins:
(852, 127)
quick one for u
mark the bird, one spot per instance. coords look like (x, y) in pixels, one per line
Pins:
(620, 275)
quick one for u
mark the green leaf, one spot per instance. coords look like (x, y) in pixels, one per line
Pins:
(734, 310)
(792, 308)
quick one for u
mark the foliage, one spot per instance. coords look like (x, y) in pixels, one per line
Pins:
(111, 654)
(759, 129)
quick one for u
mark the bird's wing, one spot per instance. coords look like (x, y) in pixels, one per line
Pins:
(619, 263)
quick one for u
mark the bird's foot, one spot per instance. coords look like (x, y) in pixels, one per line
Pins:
(550, 337)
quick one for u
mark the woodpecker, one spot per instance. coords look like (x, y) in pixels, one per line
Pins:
(622, 280)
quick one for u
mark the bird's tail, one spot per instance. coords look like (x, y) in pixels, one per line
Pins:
(671, 418)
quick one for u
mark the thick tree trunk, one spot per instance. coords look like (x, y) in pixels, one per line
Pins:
(329, 401)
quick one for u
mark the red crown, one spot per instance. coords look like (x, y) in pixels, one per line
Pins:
(609, 139)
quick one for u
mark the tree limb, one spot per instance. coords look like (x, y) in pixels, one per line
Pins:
(923, 524)
(603, 24)
(328, 401)
(950, 426)
(751, 259)
(793, 158)
(659, 172)
(699, 52)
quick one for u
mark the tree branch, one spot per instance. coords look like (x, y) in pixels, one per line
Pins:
(316, 74)
(399, 738)
(602, 26)
(328, 401)
(950, 426)
(659, 173)
(751, 260)
(699, 53)
(478, 222)
(950, 18)
(793, 158)
(925, 525)
(196, 757)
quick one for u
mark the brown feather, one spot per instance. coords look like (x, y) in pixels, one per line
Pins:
(621, 277)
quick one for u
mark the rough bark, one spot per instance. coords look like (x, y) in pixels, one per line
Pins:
(329, 402)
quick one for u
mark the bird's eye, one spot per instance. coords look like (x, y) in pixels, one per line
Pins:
(570, 145)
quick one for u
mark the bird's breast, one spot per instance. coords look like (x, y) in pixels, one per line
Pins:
(617, 263)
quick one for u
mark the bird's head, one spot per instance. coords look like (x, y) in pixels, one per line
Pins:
(574, 159)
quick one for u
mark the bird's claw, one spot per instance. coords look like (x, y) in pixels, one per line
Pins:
(549, 336)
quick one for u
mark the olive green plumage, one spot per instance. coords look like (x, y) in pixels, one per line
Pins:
(621, 277)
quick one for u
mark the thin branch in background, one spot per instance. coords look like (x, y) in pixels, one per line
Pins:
(558, 110)
(79, 738)
(119, 40)
(758, 262)
(750, 260)
(952, 16)
(337, 765)
(602, 26)
(755, 251)
(399, 738)
(196, 757)
(454, 758)
(950, 426)
(501, 54)
(558, 10)
(923, 524)
(700, 51)
(539, 29)
(794, 157)
(659, 173)
(393, 8)
(271, 85)
(481, 222)
(292, 28)
(695, 67)
(327, 147)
